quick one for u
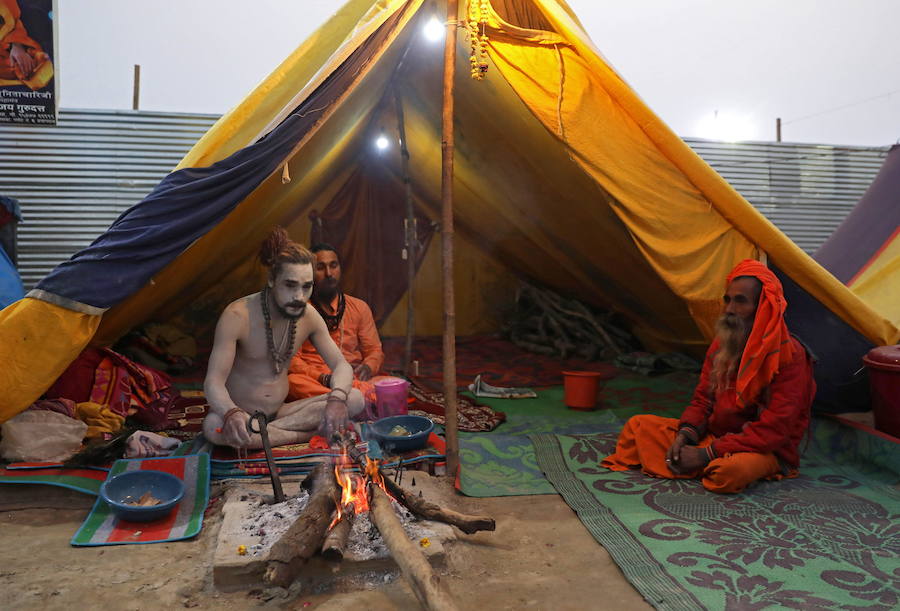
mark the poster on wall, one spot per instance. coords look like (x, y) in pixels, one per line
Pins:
(27, 72)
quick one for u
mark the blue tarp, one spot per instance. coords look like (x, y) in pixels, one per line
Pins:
(10, 284)
(182, 208)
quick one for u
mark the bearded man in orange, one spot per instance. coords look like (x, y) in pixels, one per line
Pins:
(751, 407)
(352, 327)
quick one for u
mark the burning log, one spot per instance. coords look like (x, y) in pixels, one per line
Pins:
(336, 540)
(419, 506)
(304, 538)
(415, 567)
(429, 511)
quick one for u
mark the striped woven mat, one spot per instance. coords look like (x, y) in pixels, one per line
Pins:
(102, 527)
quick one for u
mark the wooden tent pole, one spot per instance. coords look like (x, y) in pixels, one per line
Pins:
(451, 424)
(410, 238)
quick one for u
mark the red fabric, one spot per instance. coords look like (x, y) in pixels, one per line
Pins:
(776, 423)
(77, 380)
(769, 346)
(127, 388)
(65, 407)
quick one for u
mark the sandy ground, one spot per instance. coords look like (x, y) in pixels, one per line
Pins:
(540, 557)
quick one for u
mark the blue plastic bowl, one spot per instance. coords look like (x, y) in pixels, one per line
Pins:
(131, 486)
(419, 427)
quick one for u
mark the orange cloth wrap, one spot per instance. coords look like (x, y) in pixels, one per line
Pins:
(357, 338)
(769, 345)
(646, 438)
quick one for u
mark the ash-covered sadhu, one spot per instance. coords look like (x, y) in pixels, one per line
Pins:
(256, 336)
(750, 409)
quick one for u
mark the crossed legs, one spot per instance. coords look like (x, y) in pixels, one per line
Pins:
(646, 438)
(295, 422)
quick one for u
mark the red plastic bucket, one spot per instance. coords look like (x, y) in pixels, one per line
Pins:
(581, 389)
(884, 380)
(390, 397)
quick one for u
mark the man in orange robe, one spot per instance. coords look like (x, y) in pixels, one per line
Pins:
(352, 328)
(751, 407)
(21, 58)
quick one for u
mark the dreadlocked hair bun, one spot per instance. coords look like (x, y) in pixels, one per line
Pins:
(278, 249)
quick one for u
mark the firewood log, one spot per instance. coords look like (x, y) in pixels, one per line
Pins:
(429, 511)
(415, 567)
(336, 540)
(304, 538)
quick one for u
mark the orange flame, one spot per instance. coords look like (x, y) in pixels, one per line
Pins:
(353, 491)
(353, 486)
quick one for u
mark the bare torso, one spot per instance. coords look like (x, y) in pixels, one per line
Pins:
(252, 382)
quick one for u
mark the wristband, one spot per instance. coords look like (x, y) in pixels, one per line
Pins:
(230, 413)
(710, 453)
(334, 390)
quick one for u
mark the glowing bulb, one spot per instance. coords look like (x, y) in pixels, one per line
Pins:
(434, 30)
(381, 143)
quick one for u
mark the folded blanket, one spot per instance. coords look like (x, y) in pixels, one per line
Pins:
(473, 418)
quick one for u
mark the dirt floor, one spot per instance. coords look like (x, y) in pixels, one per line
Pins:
(540, 557)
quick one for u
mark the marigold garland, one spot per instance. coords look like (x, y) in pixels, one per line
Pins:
(478, 40)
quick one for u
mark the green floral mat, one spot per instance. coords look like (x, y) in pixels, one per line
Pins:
(502, 462)
(828, 539)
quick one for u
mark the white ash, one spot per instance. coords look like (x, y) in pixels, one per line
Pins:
(267, 523)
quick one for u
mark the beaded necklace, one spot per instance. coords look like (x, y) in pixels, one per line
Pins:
(284, 352)
(332, 321)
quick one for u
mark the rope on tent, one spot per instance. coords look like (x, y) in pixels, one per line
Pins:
(544, 322)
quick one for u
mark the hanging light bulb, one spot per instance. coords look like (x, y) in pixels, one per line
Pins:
(434, 30)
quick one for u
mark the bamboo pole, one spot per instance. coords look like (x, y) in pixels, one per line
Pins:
(451, 425)
(410, 238)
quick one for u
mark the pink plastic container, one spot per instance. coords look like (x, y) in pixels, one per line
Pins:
(390, 397)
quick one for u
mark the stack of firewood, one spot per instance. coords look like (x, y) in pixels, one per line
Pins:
(311, 534)
(544, 322)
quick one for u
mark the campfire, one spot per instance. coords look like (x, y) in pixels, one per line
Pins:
(339, 492)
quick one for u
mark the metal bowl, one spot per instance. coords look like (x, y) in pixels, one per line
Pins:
(419, 427)
(128, 487)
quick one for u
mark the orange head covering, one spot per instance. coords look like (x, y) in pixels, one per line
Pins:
(769, 345)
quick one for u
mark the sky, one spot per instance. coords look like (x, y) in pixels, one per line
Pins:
(720, 69)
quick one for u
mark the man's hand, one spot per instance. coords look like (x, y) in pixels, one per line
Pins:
(336, 420)
(692, 460)
(234, 429)
(673, 454)
(21, 59)
(362, 372)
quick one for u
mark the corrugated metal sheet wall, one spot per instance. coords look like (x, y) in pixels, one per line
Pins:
(806, 190)
(74, 179)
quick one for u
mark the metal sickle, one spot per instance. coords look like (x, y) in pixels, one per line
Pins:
(262, 422)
